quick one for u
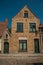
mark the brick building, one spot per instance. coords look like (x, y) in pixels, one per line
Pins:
(24, 42)
(41, 36)
(4, 36)
(24, 29)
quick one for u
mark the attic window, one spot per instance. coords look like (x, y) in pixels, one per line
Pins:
(25, 14)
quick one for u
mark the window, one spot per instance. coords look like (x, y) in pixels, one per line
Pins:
(26, 14)
(32, 27)
(6, 36)
(19, 27)
(22, 45)
(41, 29)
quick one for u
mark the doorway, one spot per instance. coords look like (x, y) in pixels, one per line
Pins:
(6, 47)
(36, 45)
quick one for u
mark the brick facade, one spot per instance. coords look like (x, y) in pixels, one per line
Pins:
(14, 48)
(5, 40)
(15, 56)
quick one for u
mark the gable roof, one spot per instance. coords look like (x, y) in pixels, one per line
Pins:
(3, 26)
(30, 10)
(25, 9)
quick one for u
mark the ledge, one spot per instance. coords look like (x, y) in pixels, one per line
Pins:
(28, 58)
(21, 55)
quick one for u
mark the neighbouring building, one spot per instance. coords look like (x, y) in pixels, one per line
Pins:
(41, 36)
(4, 37)
(23, 43)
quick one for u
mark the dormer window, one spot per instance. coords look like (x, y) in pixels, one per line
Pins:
(25, 14)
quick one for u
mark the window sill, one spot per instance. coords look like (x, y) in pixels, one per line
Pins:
(32, 31)
(19, 31)
(22, 51)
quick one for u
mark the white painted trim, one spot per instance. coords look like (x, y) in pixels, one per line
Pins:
(22, 38)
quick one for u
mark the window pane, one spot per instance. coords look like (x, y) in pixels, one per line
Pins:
(20, 46)
(24, 46)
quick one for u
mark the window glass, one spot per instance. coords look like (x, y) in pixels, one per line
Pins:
(24, 46)
(20, 46)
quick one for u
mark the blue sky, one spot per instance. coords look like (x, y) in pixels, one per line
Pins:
(9, 8)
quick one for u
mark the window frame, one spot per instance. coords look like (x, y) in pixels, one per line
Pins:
(19, 24)
(22, 42)
(25, 14)
(32, 29)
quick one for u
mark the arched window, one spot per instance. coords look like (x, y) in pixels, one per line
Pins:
(7, 36)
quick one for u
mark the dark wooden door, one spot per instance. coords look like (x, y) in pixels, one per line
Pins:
(6, 47)
(36, 44)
